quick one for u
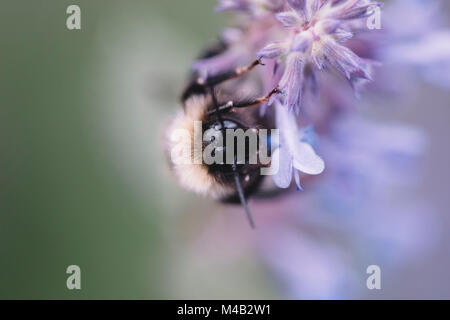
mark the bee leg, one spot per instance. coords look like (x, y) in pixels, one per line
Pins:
(200, 85)
(244, 104)
(258, 101)
(222, 77)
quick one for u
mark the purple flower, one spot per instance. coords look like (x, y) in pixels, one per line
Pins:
(294, 153)
(317, 242)
(315, 31)
(422, 41)
(306, 44)
(292, 81)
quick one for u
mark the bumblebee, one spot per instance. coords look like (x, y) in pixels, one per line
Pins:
(213, 101)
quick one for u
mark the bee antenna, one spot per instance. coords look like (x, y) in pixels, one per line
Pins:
(216, 106)
(242, 197)
(235, 172)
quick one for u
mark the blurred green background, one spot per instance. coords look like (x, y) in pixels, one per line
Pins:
(84, 180)
(76, 187)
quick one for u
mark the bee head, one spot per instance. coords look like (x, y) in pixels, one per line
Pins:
(211, 172)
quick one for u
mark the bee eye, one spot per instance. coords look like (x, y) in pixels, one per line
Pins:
(228, 124)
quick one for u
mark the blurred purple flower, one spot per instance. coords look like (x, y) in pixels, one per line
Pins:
(318, 243)
(254, 7)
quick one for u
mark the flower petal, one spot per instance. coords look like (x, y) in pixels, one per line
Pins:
(289, 19)
(272, 50)
(327, 26)
(292, 81)
(342, 35)
(345, 61)
(301, 42)
(297, 179)
(314, 6)
(299, 6)
(306, 159)
(357, 12)
(283, 176)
